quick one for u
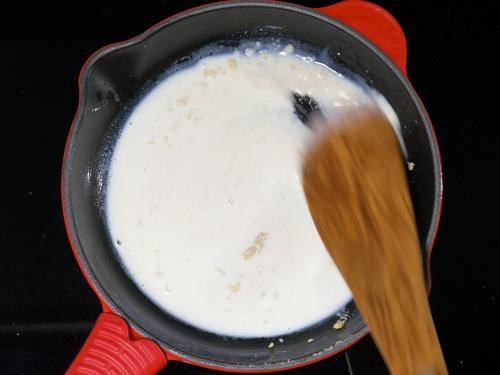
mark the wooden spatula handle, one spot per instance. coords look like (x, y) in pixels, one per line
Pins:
(398, 314)
(358, 195)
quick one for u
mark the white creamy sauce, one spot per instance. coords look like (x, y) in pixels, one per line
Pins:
(205, 202)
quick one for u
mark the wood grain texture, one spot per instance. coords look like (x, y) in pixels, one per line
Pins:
(357, 191)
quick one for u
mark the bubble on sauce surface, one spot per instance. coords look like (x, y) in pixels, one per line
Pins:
(263, 55)
(249, 52)
(167, 289)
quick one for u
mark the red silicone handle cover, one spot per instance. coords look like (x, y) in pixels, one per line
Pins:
(109, 350)
(375, 24)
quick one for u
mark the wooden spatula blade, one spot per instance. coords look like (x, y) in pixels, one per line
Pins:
(357, 191)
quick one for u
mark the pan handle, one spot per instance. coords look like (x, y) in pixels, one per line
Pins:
(375, 24)
(110, 350)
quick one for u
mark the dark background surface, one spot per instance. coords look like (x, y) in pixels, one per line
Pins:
(47, 308)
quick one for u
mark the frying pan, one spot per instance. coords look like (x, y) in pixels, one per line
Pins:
(133, 335)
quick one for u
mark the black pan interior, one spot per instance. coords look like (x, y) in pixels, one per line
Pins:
(112, 82)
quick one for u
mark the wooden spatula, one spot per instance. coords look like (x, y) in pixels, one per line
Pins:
(357, 191)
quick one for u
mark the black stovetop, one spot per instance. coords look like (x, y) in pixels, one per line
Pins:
(47, 308)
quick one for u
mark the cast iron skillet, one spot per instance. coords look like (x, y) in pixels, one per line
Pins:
(111, 81)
